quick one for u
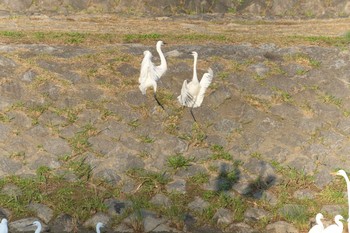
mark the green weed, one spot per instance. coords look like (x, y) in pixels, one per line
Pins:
(220, 153)
(12, 34)
(146, 139)
(331, 99)
(178, 161)
(133, 38)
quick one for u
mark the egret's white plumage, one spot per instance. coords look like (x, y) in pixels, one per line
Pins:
(192, 93)
(318, 228)
(343, 174)
(150, 74)
(335, 228)
(98, 226)
(3, 226)
(38, 226)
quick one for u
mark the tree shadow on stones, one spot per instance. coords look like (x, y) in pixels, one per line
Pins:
(230, 177)
(227, 177)
(265, 180)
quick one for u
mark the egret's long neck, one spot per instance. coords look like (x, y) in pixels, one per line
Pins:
(348, 190)
(339, 223)
(38, 230)
(319, 222)
(195, 78)
(98, 230)
(162, 58)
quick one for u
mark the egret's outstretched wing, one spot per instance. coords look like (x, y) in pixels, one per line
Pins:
(159, 71)
(204, 84)
(185, 98)
(146, 66)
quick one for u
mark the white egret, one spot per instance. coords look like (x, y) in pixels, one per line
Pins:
(3, 226)
(335, 228)
(318, 228)
(192, 93)
(98, 226)
(150, 74)
(343, 174)
(38, 226)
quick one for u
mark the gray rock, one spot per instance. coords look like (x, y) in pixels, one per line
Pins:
(152, 221)
(4, 132)
(323, 177)
(223, 217)
(255, 214)
(198, 205)
(108, 175)
(63, 223)
(20, 119)
(102, 144)
(177, 186)
(18, 5)
(42, 211)
(226, 126)
(240, 228)
(173, 53)
(11, 190)
(160, 200)
(117, 207)
(8, 166)
(267, 196)
(29, 76)
(332, 209)
(57, 146)
(128, 70)
(262, 170)
(304, 194)
(98, 217)
(218, 97)
(76, 4)
(281, 227)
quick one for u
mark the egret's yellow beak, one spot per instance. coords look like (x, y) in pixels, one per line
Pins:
(333, 173)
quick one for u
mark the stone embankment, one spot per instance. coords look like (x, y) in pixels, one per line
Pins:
(269, 108)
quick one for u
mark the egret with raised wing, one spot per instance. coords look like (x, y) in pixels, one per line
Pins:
(192, 93)
(150, 74)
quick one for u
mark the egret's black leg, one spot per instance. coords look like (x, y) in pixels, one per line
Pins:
(193, 115)
(155, 97)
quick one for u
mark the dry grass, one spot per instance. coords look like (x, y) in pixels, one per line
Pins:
(92, 30)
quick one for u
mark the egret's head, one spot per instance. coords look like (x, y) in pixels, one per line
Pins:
(147, 53)
(99, 225)
(36, 223)
(4, 220)
(195, 54)
(338, 217)
(340, 173)
(160, 43)
(319, 216)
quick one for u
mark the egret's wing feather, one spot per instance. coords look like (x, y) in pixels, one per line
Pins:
(204, 84)
(159, 70)
(146, 61)
(185, 98)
